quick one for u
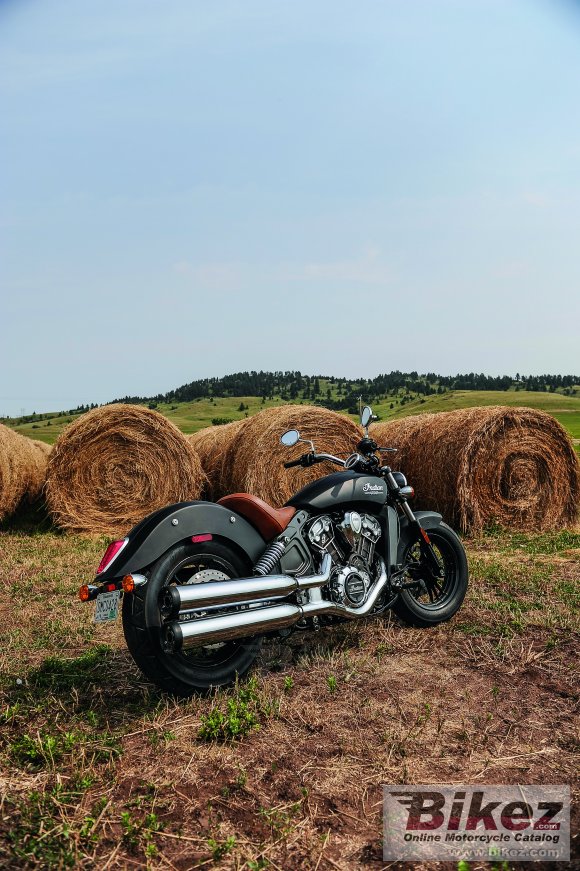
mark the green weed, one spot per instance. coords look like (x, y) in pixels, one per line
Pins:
(138, 833)
(60, 675)
(46, 750)
(241, 715)
(39, 833)
(221, 848)
(42, 750)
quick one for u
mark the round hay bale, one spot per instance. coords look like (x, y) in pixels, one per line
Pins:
(22, 470)
(40, 453)
(513, 466)
(115, 465)
(212, 445)
(255, 459)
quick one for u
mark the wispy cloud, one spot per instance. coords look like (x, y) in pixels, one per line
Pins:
(367, 268)
(214, 276)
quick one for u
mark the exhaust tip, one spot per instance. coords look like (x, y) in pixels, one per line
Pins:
(172, 638)
(169, 602)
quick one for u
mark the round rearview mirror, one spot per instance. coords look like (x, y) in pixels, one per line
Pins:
(290, 438)
(366, 415)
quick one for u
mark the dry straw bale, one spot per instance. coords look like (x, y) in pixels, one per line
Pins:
(117, 464)
(254, 462)
(212, 445)
(514, 466)
(22, 469)
(40, 453)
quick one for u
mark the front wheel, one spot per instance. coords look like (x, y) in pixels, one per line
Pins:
(432, 599)
(201, 668)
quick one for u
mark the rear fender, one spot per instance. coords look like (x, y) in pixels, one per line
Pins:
(175, 524)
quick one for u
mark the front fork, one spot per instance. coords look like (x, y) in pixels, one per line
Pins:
(427, 551)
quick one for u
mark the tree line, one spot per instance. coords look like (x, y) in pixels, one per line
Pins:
(343, 393)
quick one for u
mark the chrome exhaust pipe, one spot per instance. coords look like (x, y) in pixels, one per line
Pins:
(256, 621)
(198, 596)
(239, 624)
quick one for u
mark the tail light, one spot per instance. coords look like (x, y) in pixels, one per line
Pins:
(111, 553)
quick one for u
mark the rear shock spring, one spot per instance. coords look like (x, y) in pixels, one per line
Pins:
(269, 558)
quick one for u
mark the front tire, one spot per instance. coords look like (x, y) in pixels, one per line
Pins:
(433, 601)
(198, 670)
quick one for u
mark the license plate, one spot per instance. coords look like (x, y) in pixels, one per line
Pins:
(107, 606)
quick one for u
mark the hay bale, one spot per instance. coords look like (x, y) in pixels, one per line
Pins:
(115, 465)
(22, 470)
(255, 459)
(213, 445)
(40, 453)
(513, 466)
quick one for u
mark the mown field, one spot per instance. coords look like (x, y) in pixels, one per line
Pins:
(193, 416)
(97, 770)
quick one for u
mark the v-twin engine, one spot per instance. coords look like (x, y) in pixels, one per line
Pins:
(351, 543)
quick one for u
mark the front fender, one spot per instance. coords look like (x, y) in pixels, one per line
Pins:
(169, 526)
(427, 519)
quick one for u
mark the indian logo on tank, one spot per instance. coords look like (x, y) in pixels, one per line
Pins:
(373, 488)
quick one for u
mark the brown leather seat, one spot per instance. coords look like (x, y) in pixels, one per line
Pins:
(269, 521)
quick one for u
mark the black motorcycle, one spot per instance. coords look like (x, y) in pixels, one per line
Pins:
(203, 583)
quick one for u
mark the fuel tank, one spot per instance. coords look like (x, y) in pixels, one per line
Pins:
(346, 490)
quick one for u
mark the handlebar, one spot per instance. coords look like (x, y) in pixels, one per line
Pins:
(293, 463)
(311, 459)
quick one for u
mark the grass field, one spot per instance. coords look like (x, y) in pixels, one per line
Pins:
(97, 770)
(193, 416)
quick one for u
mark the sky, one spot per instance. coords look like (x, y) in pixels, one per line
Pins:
(190, 189)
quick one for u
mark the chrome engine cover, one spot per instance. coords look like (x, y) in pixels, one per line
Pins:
(350, 586)
(353, 575)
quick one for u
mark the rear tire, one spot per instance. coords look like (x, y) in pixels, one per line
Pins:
(433, 602)
(200, 669)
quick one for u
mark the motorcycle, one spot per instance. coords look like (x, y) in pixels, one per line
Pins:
(203, 583)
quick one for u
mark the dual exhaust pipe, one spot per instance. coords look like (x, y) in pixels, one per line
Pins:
(256, 620)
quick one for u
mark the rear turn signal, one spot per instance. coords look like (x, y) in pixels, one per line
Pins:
(128, 584)
(84, 593)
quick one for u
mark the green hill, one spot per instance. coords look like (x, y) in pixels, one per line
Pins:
(199, 413)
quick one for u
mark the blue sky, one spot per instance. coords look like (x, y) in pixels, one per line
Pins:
(190, 189)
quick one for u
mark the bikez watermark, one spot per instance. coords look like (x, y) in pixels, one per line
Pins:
(490, 823)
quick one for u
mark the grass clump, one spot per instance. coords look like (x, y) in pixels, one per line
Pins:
(38, 833)
(532, 543)
(331, 682)
(46, 750)
(42, 750)
(60, 675)
(242, 714)
(139, 833)
(219, 849)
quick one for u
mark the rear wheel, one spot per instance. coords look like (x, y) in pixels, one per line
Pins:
(433, 599)
(193, 670)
